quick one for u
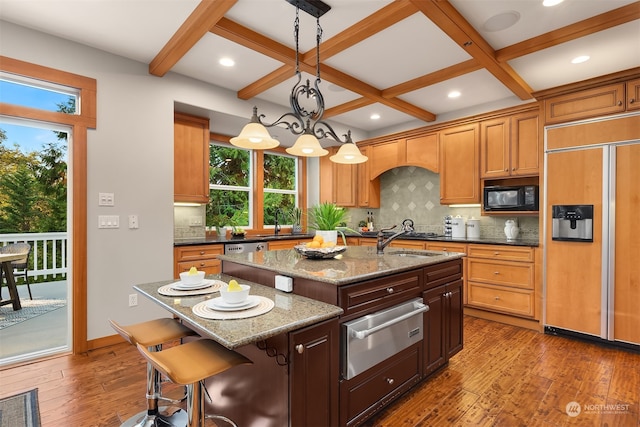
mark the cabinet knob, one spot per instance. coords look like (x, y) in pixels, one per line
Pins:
(496, 272)
(300, 348)
(513, 169)
(619, 103)
(496, 253)
(389, 381)
(201, 252)
(497, 298)
(445, 250)
(390, 290)
(631, 101)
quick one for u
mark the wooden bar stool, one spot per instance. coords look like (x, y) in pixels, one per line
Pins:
(189, 365)
(152, 334)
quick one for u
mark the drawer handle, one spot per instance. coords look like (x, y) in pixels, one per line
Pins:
(496, 272)
(496, 253)
(201, 252)
(390, 290)
(389, 381)
(202, 264)
(497, 298)
(300, 348)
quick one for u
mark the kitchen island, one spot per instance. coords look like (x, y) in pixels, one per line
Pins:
(363, 283)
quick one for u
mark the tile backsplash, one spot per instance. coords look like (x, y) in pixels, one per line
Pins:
(412, 192)
(185, 222)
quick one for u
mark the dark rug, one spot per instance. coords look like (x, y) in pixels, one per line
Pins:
(20, 410)
(30, 309)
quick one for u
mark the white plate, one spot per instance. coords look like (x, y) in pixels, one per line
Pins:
(182, 287)
(219, 305)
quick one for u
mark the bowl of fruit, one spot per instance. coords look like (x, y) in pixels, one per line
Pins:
(234, 293)
(238, 232)
(319, 249)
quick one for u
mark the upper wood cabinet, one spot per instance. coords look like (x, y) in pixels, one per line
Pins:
(599, 101)
(348, 185)
(419, 151)
(459, 164)
(633, 95)
(191, 158)
(509, 146)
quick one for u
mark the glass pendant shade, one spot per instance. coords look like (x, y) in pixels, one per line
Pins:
(307, 145)
(349, 154)
(254, 136)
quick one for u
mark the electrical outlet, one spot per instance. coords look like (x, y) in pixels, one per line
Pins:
(133, 300)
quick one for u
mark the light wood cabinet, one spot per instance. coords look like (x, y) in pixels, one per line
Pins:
(191, 158)
(203, 257)
(421, 151)
(459, 165)
(633, 95)
(405, 243)
(275, 245)
(502, 279)
(600, 101)
(509, 146)
(347, 185)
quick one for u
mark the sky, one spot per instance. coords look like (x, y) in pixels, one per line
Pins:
(29, 136)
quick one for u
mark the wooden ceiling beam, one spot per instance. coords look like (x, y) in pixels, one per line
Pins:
(347, 106)
(449, 20)
(604, 21)
(203, 17)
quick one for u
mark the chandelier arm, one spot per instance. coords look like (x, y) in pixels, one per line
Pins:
(295, 126)
(322, 129)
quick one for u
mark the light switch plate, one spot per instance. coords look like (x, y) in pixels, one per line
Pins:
(106, 199)
(284, 283)
(108, 221)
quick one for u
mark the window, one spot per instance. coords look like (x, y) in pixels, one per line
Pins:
(229, 187)
(280, 187)
(46, 96)
(247, 188)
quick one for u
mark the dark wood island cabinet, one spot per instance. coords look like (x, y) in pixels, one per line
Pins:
(362, 284)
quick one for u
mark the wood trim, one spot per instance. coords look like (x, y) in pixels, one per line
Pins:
(81, 123)
(203, 17)
(592, 25)
(104, 342)
(622, 76)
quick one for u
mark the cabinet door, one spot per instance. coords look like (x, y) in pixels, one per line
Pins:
(453, 341)
(314, 375)
(525, 144)
(326, 178)
(424, 151)
(459, 165)
(384, 157)
(345, 184)
(435, 354)
(494, 148)
(600, 101)
(411, 244)
(633, 95)
(368, 190)
(191, 159)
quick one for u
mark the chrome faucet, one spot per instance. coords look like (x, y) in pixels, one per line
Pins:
(407, 227)
(276, 227)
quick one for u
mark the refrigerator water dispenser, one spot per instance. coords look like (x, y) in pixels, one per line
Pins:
(572, 223)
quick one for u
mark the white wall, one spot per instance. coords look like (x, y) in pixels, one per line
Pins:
(131, 155)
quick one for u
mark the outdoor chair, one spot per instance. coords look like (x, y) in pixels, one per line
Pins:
(20, 266)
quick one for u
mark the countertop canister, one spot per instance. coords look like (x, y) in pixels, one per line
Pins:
(458, 228)
(473, 228)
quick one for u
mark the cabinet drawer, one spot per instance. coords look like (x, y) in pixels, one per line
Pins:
(501, 273)
(412, 244)
(446, 247)
(188, 253)
(361, 397)
(509, 253)
(379, 293)
(511, 301)
(600, 101)
(209, 266)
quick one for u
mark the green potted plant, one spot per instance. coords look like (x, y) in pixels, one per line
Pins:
(328, 220)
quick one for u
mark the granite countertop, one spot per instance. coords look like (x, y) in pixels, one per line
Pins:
(356, 264)
(291, 312)
(369, 235)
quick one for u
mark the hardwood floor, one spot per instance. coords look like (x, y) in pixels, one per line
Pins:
(505, 376)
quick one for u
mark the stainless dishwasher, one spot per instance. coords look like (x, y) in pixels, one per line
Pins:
(375, 337)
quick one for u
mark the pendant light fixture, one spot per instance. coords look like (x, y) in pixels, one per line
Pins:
(300, 121)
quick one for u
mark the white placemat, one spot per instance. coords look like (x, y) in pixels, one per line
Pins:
(263, 307)
(169, 291)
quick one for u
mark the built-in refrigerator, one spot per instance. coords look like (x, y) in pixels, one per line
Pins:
(591, 283)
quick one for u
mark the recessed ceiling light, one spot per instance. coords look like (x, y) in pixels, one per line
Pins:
(227, 62)
(454, 94)
(549, 3)
(375, 116)
(501, 21)
(580, 59)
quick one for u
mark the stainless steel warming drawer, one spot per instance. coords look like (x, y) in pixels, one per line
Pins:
(372, 338)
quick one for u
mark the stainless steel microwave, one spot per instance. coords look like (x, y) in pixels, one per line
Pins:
(515, 198)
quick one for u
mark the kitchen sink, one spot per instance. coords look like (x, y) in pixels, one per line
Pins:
(410, 254)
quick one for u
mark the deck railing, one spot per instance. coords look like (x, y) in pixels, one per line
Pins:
(48, 258)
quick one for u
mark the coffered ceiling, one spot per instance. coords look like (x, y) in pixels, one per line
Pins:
(398, 59)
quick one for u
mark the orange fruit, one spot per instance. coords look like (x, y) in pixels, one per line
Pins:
(318, 238)
(314, 244)
(327, 245)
